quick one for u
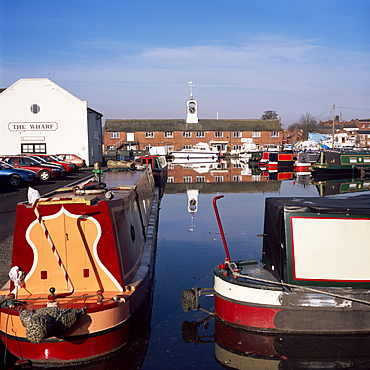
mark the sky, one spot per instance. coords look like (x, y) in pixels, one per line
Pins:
(134, 59)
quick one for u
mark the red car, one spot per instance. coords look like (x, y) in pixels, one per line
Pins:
(44, 171)
(53, 160)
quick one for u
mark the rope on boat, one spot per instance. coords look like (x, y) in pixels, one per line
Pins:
(48, 321)
(312, 290)
(54, 249)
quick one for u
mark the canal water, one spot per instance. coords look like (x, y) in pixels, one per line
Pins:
(189, 246)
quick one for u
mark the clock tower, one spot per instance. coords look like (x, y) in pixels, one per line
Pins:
(191, 107)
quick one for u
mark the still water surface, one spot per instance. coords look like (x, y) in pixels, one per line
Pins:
(187, 252)
(189, 246)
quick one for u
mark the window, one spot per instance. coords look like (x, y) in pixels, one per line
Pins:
(237, 165)
(111, 147)
(200, 179)
(114, 135)
(168, 134)
(274, 134)
(200, 134)
(170, 179)
(256, 134)
(237, 178)
(147, 147)
(237, 134)
(33, 148)
(35, 108)
(149, 135)
(187, 179)
(186, 147)
(219, 134)
(237, 147)
(219, 178)
(186, 134)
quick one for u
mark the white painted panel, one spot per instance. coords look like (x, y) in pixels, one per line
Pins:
(130, 136)
(246, 294)
(331, 249)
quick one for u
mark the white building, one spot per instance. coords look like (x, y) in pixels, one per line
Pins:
(39, 116)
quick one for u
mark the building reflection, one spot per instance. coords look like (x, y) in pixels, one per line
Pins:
(232, 176)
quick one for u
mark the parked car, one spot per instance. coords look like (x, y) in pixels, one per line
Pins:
(44, 171)
(15, 176)
(72, 158)
(68, 167)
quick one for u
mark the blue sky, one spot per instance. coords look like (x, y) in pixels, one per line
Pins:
(133, 59)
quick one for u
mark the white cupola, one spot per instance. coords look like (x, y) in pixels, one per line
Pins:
(191, 107)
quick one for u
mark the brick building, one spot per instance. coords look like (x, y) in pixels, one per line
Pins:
(177, 134)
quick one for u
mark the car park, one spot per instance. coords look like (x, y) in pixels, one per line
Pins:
(15, 176)
(44, 171)
(68, 167)
(72, 158)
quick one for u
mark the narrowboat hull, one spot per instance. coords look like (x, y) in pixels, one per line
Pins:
(80, 249)
(264, 307)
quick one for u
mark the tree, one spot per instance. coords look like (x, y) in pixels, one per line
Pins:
(269, 114)
(306, 123)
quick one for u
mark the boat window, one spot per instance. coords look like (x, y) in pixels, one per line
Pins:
(352, 159)
(366, 159)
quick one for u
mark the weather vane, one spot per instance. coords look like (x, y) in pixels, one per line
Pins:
(191, 84)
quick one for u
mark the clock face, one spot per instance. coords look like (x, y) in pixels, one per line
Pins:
(191, 109)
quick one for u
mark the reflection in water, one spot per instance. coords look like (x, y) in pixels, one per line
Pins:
(237, 348)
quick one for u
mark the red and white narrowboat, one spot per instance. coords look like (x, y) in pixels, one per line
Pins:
(313, 277)
(276, 161)
(82, 267)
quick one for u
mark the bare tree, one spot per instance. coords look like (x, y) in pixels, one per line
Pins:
(307, 123)
(269, 114)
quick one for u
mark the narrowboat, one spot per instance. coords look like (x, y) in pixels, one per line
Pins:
(313, 277)
(158, 164)
(82, 267)
(339, 163)
(276, 161)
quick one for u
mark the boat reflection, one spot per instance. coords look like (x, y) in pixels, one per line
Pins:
(222, 176)
(238, 348)
(341, 186)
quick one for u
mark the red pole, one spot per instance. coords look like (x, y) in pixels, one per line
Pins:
(220, 227)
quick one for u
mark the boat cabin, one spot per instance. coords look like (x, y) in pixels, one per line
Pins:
(318, 241)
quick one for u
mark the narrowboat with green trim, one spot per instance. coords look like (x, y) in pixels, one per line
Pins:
(340, 163)
(313, 277)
